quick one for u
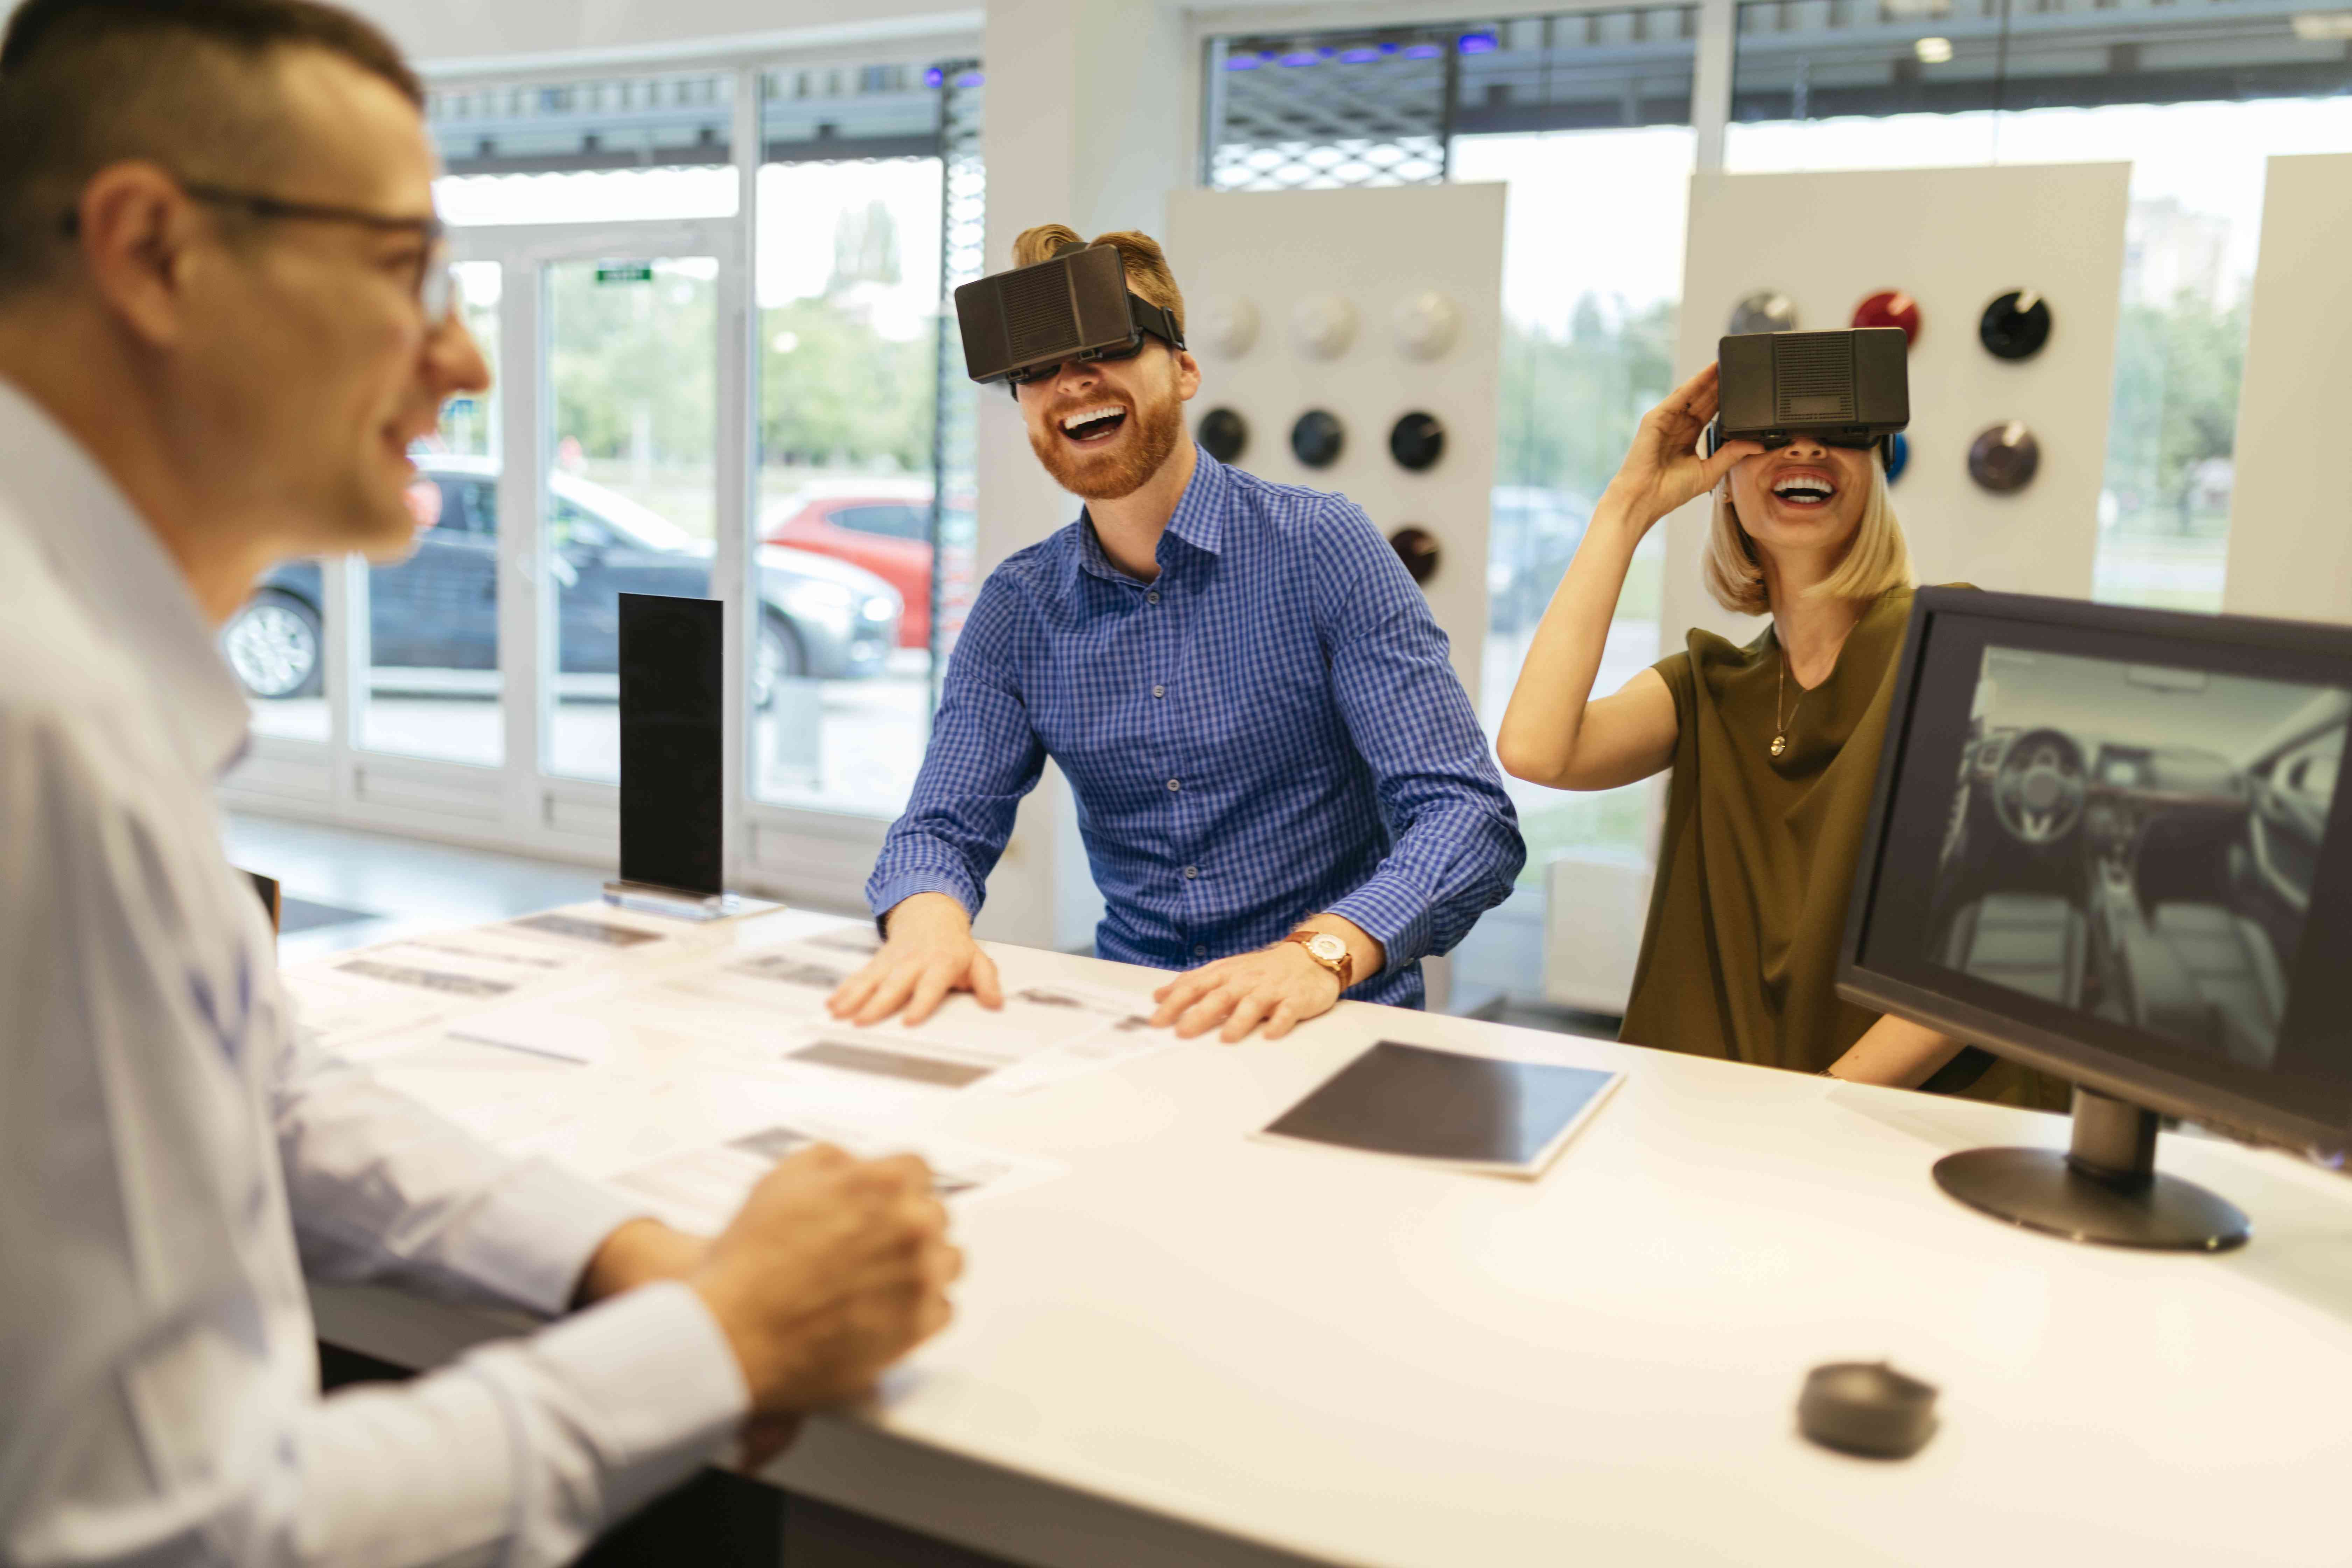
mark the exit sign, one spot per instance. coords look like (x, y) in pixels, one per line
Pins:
(625, 272)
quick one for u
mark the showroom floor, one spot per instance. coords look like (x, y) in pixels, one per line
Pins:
(345, 889)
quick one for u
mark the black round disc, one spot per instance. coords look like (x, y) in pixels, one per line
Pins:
(1765, 311)
(2003, 457)
(2016, 325)
(1317, 438)
(1417, 548)
(1417, 441)
(1223, 433)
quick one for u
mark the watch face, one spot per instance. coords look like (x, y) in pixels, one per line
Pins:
(1327, 948)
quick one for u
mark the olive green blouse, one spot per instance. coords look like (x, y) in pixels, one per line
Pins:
(1739, 958)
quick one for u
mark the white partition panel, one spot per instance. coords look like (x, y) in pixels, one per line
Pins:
(1954, 239)
(2291, 509)
(1368, 304)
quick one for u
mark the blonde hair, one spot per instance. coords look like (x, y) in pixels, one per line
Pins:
(1147, 264)
(1876, 558)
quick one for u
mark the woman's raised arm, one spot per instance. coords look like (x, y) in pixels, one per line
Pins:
(1554, 733)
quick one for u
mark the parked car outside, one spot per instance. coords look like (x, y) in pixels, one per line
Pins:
(820, 617)
(885, 526)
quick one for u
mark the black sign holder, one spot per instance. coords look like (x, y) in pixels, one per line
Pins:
(673, 761)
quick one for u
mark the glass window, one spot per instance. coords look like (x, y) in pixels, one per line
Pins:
(632, 495)
(590, 152)
(433, 686)
(2195, 95)
(849, 295)
(1578, 114)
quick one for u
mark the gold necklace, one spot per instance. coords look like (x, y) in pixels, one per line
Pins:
(1781, 690)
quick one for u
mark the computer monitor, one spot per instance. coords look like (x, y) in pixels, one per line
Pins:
(2108, 843)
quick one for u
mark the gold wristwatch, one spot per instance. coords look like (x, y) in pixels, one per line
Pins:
(1327, 950)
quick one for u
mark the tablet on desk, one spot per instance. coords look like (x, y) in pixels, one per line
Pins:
(1473, 1113)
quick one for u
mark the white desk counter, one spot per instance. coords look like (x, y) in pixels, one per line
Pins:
(1197, 1346)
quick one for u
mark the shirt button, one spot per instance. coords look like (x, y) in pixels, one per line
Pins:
(1159, 691)
(1190, 872)
(1175, 783)
(1152, 598)
(1200, 952)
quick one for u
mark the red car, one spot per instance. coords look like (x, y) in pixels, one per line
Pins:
(887, 530)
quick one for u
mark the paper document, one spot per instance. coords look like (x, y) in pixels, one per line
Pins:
(360, 1003)
(701, 1189)
(1131, 1038)
(540, 1029)
(1479, 1113)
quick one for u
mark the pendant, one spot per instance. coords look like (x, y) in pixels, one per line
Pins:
(1779, 745)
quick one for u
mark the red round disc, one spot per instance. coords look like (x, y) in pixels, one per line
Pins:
(1890, 307)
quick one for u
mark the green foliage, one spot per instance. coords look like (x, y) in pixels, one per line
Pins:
(2177, 367)
(1570, 402)
(833, 390)
(631, 360)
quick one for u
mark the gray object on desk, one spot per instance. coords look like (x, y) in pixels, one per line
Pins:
(1426, 1104)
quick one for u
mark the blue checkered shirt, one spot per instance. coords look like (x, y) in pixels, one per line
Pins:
(1268, 731)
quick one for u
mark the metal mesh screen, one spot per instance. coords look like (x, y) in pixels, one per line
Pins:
(963, 255)
(1329, 111)
(1305, 111)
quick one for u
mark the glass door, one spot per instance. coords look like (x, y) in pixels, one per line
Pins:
(433, 685)
(630, 505)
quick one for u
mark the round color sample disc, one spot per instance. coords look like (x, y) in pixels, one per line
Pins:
(1318, 436)
(1890, 307)
(1898, 456)
(2003, 457)
(1417, 548)
(1224, 433)
(1417, 441)
(2015, 325)
(1765, 311)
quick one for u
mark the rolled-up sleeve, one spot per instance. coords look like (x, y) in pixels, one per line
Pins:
(984, 756)
(1456, 847)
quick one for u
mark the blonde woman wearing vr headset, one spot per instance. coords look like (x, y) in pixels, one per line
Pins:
(1772, 746)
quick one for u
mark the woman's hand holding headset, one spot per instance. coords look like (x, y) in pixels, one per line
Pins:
(1662, 468)
(1556, 733)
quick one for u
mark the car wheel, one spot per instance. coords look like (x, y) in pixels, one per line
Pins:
(778, 658)
(274, 646)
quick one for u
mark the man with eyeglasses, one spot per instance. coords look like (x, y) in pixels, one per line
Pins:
(224, 318)
(1283, 787)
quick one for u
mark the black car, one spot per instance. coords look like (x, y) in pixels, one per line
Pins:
(434, 616)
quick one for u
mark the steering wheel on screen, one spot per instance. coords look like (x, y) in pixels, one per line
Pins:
(2038, 790)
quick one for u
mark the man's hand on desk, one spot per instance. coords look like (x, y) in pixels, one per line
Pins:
(927, 951)
(1280, 986)
(833, 1269)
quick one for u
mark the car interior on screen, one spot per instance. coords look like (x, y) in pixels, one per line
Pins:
(2139, 842)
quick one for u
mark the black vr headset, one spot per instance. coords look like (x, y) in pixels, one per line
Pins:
(1022, 325)
(1849, 388)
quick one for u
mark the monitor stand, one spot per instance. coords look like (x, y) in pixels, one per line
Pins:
(2105, 1188)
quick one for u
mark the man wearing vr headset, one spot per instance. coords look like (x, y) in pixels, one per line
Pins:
(1279, 778)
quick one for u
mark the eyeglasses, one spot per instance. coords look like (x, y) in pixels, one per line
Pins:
(434, 285)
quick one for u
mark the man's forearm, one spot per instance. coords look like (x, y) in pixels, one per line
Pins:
(638, 1253)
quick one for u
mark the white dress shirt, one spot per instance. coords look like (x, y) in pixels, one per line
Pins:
(174, 1157)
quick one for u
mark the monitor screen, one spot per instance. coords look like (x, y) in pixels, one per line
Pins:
(2111, 842)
